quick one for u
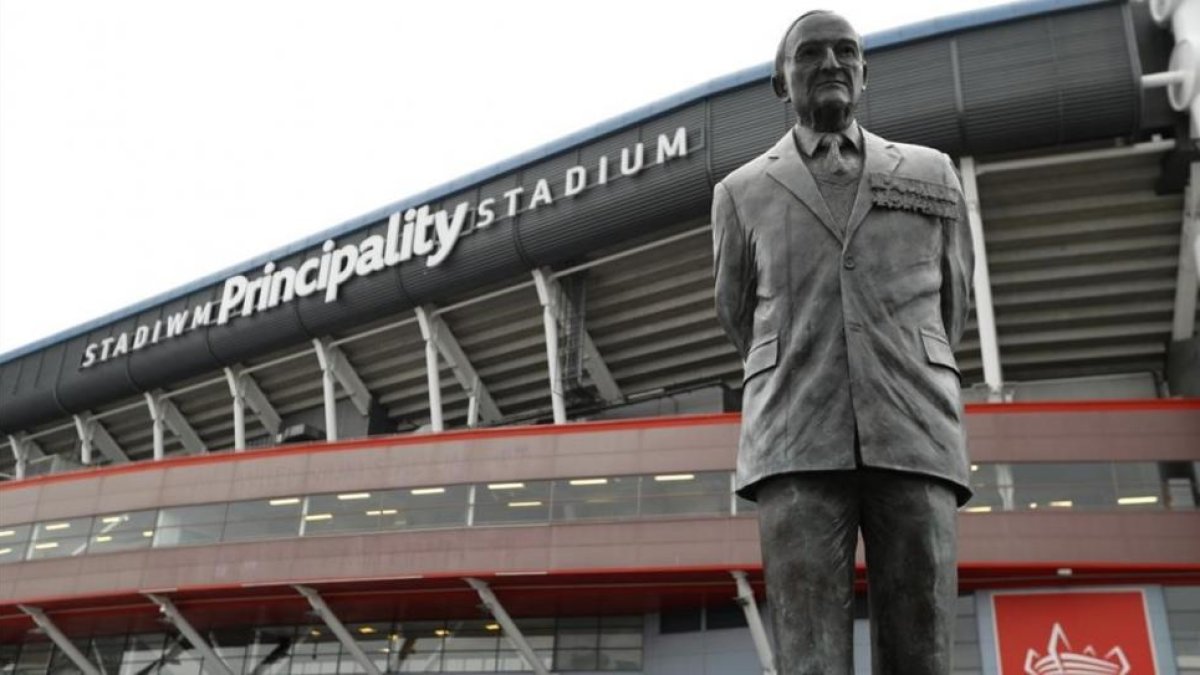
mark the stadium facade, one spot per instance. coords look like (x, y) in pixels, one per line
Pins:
(492, 427)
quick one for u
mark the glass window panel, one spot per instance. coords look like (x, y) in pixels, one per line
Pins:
(342, 512)
(724, 616)
(34, 656)
(58, 548)
(182, 525)
(182, 667)
(512, 502)
(620, 659)
(144, 647)
(67, 528)
(745, 506)
(1139, 485)
(122, 531)
(685, 494)
(14, 540)
(587, 498)
(178, 516)
(315, 664)
(263, 519)
(630, 638)
(578, 633)
(575, 659)
(468, 662)
(185, 536)
(8, 657)
(510, 660)
(680, 621)
(132, 521)
(1079, 485)
(426, 507)
(472, 636)
(539, 633)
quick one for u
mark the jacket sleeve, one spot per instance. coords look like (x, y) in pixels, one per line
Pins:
(958, 263)
(733, 269)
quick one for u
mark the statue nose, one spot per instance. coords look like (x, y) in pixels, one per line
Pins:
(829, 62)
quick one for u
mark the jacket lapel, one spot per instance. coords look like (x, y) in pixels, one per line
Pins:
(787, 167)
(880, 157)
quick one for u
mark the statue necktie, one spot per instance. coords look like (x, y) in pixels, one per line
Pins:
(833, 162)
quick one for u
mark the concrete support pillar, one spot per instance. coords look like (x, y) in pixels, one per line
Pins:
(157, 421)
(545, 291)
(758, 633)
(985, 312)
(85, 439)
(327, 387)
(20, 456)
(338, 629)
(60, 640)
(233, 378)
(93, 436)
(514, 635)
(433, 374)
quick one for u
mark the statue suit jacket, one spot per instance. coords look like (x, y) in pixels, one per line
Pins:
(845, 332)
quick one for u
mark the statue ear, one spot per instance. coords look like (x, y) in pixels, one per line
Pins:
(780, 87)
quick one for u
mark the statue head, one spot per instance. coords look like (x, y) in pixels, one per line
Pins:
(820, 69)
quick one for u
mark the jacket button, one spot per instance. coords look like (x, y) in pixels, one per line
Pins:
(848, 263)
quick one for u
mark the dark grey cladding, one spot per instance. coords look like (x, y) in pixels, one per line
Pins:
(1039, 81)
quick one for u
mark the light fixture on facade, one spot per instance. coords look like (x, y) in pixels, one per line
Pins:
(589, 481)
(665, 478)
(147, 533)
(46, 545)
(366, 630)
(103, 538)
(429, 491)
(284, 501)
(5, 551)
(979, 509)
(518, 505)
(505, 486)
(114, 519)
(492, 626)
(1064, 571)
(441, 632)
(7, 533)
(57, 526)
(1062, 503)
(319, 516)
(1131, 501)
(354, 495)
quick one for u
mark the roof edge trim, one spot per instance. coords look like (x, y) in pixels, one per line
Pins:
(973, 19)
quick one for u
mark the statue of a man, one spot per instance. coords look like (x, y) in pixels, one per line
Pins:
(843, 273)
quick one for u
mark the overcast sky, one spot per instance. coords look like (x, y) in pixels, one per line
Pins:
(144, 145)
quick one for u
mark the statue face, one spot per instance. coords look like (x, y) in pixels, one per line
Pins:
(824, 71)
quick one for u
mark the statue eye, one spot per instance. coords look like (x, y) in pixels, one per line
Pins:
(847, 51)
(808, 52)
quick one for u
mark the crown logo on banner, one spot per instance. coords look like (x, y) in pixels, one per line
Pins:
(1060, 660)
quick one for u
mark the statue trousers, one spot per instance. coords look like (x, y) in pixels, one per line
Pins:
(809, 524)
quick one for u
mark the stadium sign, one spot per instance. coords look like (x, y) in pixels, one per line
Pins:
(415, 233)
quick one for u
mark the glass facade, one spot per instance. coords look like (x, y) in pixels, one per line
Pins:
(564, 644)
(1124, 486)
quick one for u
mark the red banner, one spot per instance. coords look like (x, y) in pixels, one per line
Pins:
(1069, 633)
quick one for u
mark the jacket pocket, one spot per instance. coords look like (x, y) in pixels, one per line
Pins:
(763, 356)
(938, 352)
